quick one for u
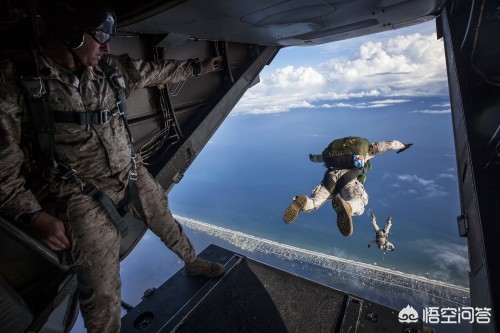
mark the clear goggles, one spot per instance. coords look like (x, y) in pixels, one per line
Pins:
(103, 33)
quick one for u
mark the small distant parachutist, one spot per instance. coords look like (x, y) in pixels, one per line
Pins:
(381, 235)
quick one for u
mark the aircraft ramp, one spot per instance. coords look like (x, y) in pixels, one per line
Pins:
(254, 297)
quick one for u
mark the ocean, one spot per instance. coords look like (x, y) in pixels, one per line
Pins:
(248, 174)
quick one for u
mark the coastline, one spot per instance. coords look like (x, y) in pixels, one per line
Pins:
(374, 273)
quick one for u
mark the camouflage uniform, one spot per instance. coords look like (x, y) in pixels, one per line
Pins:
(381, 235)
(99, 154)
(353, 192)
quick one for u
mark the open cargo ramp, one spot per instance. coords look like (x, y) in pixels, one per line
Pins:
(254, 297)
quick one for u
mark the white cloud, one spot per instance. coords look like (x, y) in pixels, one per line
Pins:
(442, 105)
(447, 257)
(414, 178)
(296, 78)
(446, 175)
(432, 111)
(428, 187)
(363, 105)
(401, 66)
(390, 101)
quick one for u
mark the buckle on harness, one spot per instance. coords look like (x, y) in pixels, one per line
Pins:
(87, 188)
(105, 116)
(34, 86)
(118, 107)
(65, 172)
(133, 169)
(113, 78)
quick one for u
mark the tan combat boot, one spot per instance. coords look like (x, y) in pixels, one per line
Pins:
(203, 267)
(295, 207)
(344, 216)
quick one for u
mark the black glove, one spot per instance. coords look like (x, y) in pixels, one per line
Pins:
(407, 145)
(311, 157)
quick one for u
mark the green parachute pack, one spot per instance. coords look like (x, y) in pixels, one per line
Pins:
(346, 153)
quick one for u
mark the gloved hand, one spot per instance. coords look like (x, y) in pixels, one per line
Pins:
(210, 64)
(407, 145)
(311, 157)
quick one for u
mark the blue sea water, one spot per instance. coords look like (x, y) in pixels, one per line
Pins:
(249, 172)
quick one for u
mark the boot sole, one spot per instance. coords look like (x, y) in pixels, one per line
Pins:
(344, 220)
(293, 210)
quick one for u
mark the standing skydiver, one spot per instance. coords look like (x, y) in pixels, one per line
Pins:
(71, 107)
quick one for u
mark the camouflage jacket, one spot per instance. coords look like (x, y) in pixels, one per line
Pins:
(94, 151)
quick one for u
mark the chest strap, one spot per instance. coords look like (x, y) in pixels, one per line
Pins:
(100, 117)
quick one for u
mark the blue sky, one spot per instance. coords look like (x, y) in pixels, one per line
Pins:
(391, 66)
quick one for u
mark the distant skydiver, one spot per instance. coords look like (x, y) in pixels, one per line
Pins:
(346, 160)
(381, 235)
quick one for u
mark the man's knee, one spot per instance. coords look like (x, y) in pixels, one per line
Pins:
(103, 277)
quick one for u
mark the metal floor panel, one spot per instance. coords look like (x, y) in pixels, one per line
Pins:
(254, 297)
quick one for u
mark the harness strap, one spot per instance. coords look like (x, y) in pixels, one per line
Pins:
(91, 189)
(340, 162)
(44, 128)
(42, 121)
(335, 188)
(132, 194)
(132, 190)
(110, 208)
(347, 177)
(99, 117)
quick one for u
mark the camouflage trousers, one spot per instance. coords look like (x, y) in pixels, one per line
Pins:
(353, 192)
(95, 245)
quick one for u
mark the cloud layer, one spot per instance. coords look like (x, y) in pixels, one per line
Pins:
(393, 69)
(421, 186)
(449, 258)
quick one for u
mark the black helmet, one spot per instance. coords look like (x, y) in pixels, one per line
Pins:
(69, 20)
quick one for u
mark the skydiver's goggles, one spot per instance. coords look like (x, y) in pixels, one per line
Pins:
(103, 33)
